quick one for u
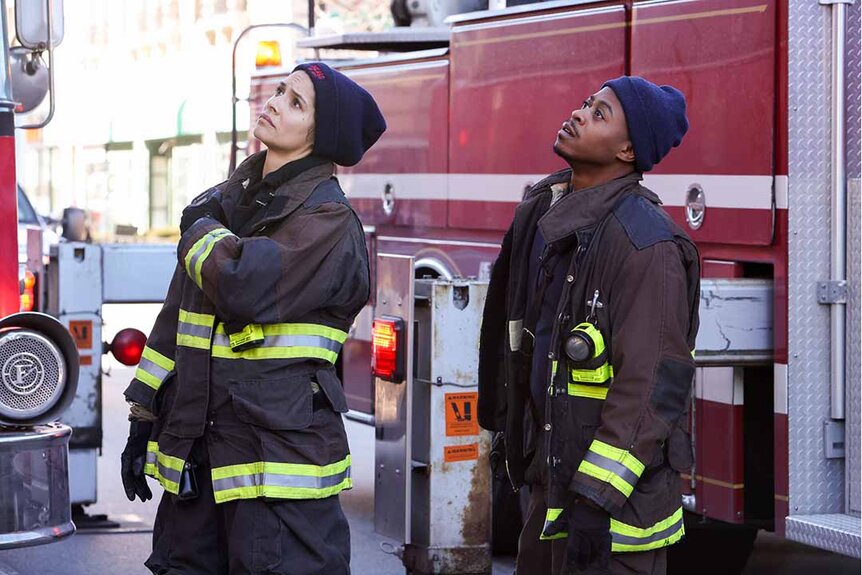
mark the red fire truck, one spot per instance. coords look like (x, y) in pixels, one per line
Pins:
(766, 182)
(50, 319)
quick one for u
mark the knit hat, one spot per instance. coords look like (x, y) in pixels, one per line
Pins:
(655, 116)
(347, 119)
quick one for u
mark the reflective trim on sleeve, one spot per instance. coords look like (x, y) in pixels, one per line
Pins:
(200, 251)
(281, 480)
(612, 465)
(165, 468)
(627, 538)
(153, 368)
(550, 516)
(194, 329)
(285, 341)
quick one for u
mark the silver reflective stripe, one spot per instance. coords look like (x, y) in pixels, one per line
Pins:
(194, 330)
(169, 474)
(279, 480)
(287, 341)
(663, 534)
(153, 369)
(614, 467)
(152, 457)
(211, 237)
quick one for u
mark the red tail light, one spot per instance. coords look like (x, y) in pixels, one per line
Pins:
(128, 345)
(387, 340)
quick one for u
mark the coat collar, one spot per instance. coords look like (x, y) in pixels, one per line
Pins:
(288, 196)
(571, 212)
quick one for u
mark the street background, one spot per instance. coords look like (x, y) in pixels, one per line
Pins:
(122, 551)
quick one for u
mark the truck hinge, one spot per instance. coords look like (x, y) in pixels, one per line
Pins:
(833, 291)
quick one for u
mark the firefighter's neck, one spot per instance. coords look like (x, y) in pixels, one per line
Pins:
(276, 158)
(589, 176)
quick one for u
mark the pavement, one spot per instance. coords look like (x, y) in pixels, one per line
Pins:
(123, 550)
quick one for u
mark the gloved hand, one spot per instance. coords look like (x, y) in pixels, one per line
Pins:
(133, 459)
(210, 208)
(589, 539)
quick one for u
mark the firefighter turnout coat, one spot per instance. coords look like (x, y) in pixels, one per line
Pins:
(613, 429)
(296, 282)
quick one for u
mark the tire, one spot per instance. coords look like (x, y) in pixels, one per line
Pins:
(712, 547)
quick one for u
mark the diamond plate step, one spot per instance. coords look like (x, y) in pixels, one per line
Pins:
(836, 532)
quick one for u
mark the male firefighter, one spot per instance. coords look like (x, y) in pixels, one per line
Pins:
(586, 349)
(236, 405)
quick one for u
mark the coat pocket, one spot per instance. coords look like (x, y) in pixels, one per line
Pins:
(332, 388)
(679, 451)
(278, 404)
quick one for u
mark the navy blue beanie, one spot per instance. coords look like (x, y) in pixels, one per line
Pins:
(655, 116)
(347, 119)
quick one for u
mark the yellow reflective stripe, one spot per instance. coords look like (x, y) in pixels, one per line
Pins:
(617, 454)
(281, 480)
(194, 318)
(692, 354)
(280, 492)
(308, 469)
(199, 264)
(628, 538)
(588, 391)
(294, 352)
(196, 247)
(160, 360)
(149, 379)
(597, 472)
(298, 329)
(170, 462)
(193, 341)
(598, 375)
(551, 515)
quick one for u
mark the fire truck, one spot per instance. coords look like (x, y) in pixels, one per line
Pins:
(766, 182)
(50, 317)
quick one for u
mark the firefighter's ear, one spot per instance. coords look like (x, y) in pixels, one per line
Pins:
(626, 153)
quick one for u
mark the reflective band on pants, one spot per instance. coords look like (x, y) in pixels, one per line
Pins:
(281, 480)
(627, 538)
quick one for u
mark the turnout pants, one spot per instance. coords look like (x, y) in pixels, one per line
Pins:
(248, 536)
(537, 557)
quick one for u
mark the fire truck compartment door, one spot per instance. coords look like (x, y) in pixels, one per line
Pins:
(722, 55)
(514, 82)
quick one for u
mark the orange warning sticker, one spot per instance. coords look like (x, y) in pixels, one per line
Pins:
(461, 414)
(467, 452)
(86, 360)
(82, 333)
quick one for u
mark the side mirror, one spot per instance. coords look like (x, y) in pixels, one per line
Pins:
(29, 78)
(31, 23)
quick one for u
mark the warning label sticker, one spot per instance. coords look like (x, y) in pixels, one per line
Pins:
(82, 333)
(467, 452)
(461, 414)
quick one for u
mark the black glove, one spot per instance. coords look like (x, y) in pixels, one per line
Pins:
(209, 208)
(133, 459)
(589, 539)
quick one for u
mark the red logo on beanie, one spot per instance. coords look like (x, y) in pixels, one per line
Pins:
(317, 71)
